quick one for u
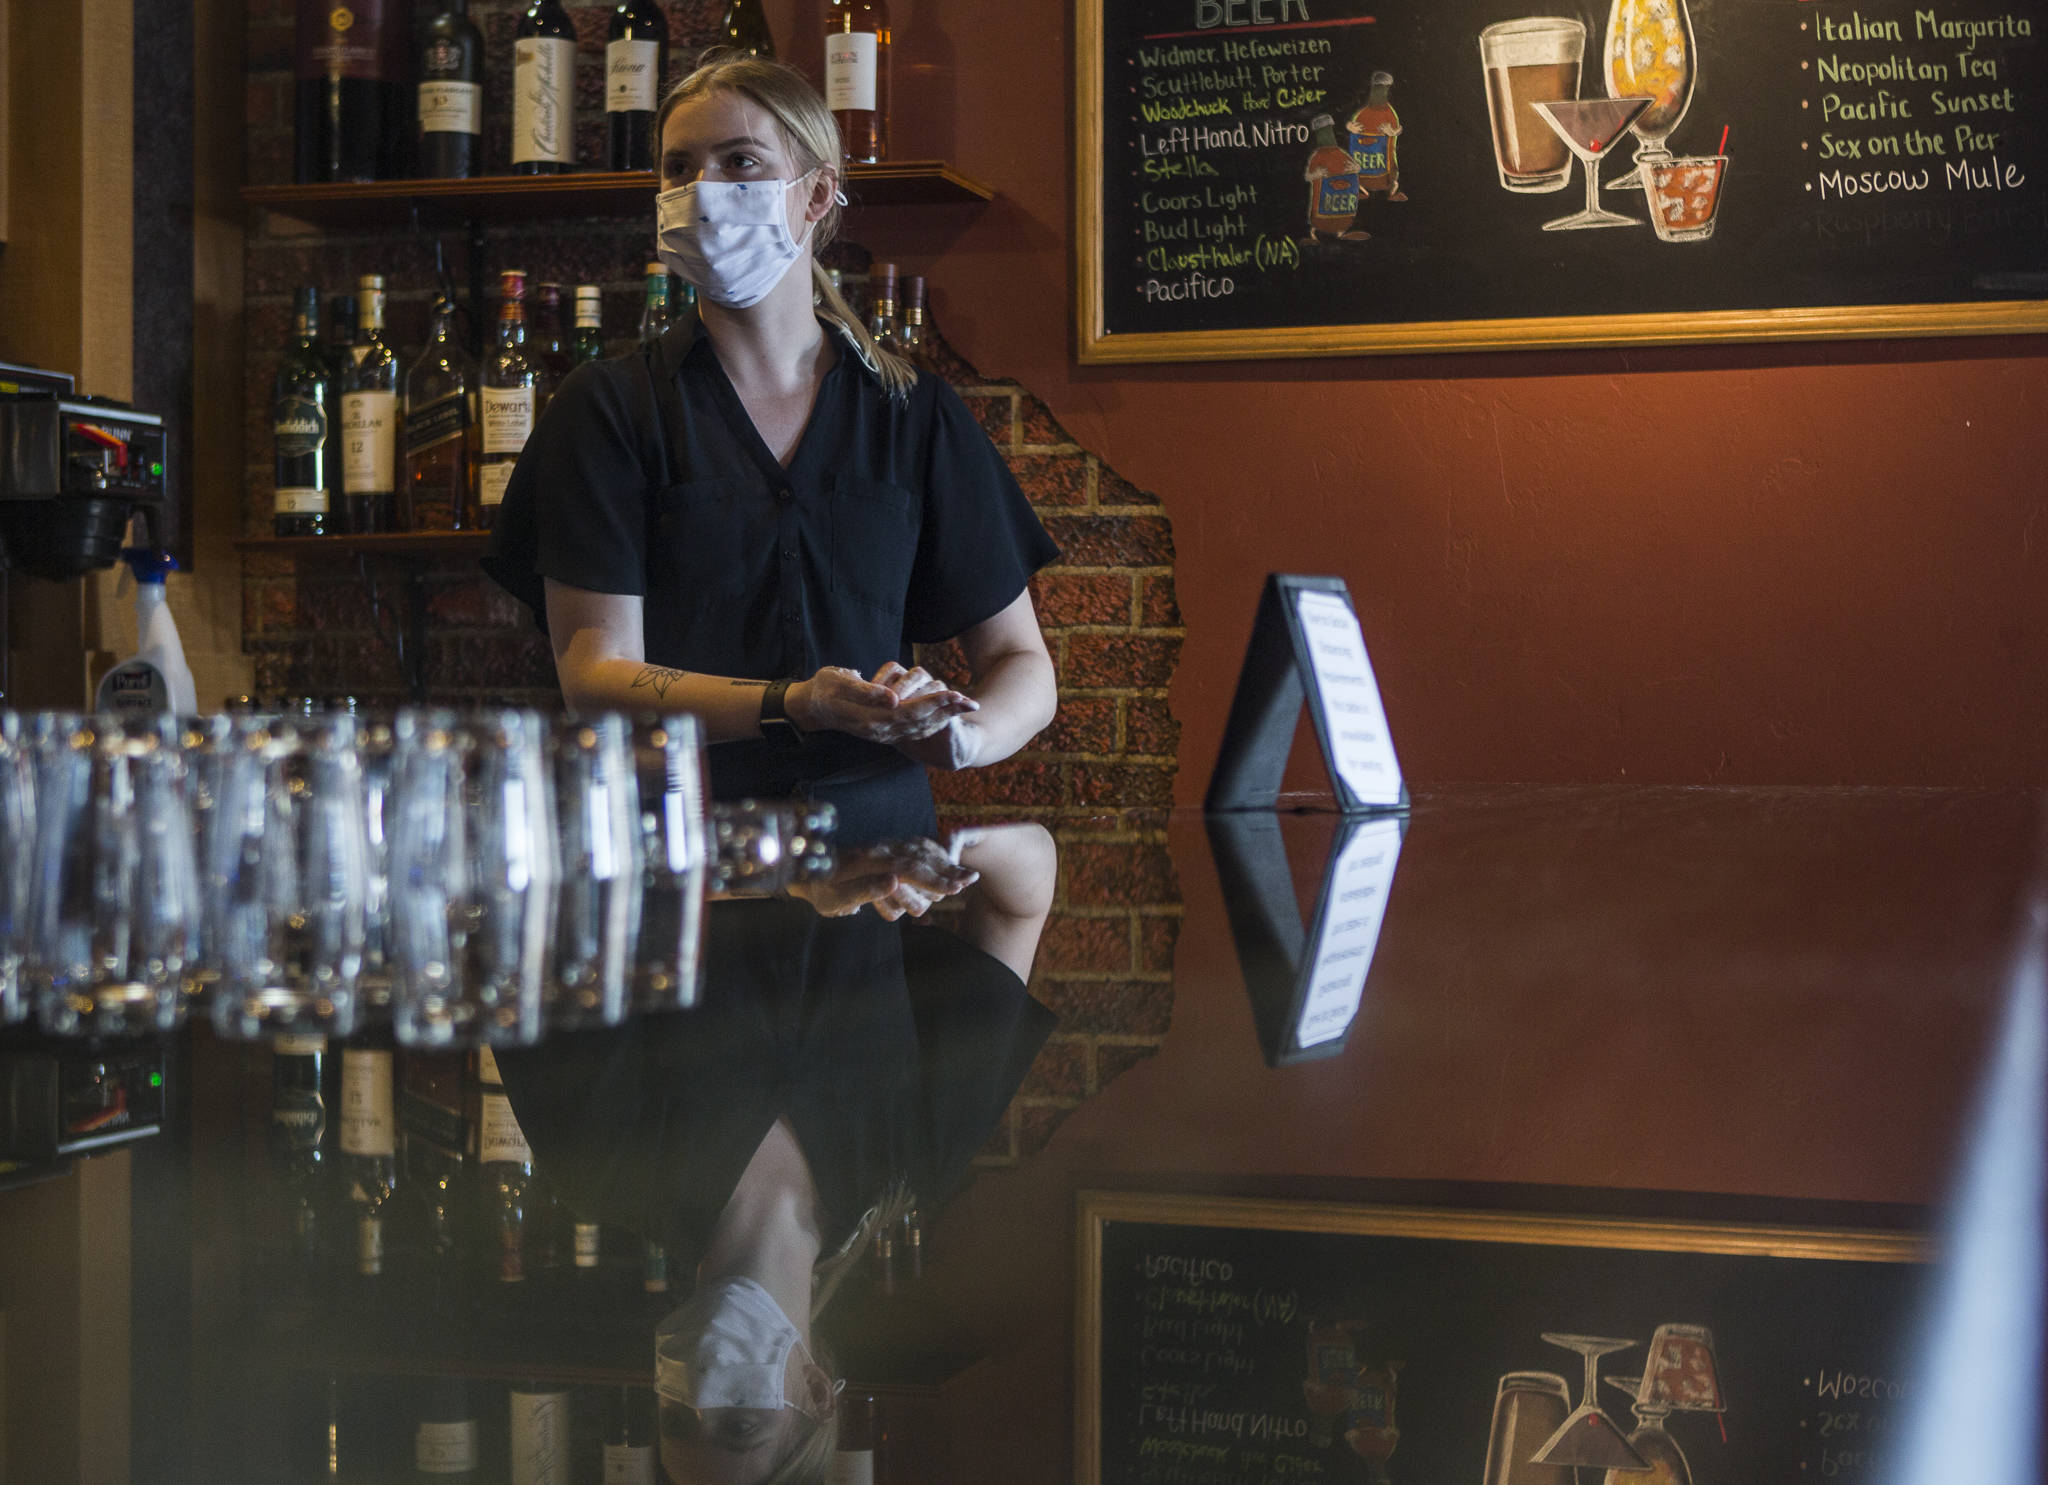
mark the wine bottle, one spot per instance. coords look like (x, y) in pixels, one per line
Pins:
(508, 396)
(298, 1145)
(299, 426)
(589, 343)
(505, 1162)
(545, 341)
(544, 91)
(654, 318)
(450, 94)
(439, 435)
(856, 1452)
(746, 27)
(635, 73)
(629, 1438)
(857, 76)
(369, 1149)
(369, 421)
(539, 1434)
(445, 1442)
(341, 88)
(882, 305)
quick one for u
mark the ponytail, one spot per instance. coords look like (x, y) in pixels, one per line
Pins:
(897, 375)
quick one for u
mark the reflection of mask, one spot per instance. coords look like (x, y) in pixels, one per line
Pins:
(728, 1347)
(728, 238)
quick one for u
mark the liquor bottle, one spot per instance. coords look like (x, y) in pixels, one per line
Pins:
(339, 347)
(1373, 130)
(882, 305)
(369, 1149)
(545, 342)
(349, 59)
(299, 426)
(298, 1146)
(589, 342)
(369, 421)
(445, 1442)
(746, 27)
(910, 343)
(544, 91)
(635, 73)
(439, 434)
(913, 1245)
(589, 1253)
(654, 319)
(509, 399)
(654, 1272)
(629, 1438)
(1332, 177)
(856, 1452)
(857, 76)
(539, 1452)
(505, 1162)
(450, 94)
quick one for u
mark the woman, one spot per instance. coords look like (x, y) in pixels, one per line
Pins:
(755, 517)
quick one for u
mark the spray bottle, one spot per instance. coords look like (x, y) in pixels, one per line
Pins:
(157, 679)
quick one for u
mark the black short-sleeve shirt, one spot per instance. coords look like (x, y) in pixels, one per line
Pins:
(896, 522)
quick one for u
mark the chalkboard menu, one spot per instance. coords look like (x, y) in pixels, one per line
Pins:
(1302, 177)
(1233, 1342)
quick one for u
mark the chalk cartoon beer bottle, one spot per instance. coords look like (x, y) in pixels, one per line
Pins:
(1332, 185)
(1373, 130)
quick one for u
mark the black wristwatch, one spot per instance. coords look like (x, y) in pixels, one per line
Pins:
(776, 724)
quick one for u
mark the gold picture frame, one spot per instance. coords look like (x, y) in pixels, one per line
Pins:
(1096, 346)
(1097, 1208)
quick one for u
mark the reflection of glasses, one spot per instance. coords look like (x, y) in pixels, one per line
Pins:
(1589, 1438)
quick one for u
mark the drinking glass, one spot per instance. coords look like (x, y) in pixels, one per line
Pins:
(286, 863)
(17, 831)
(1589, 1438)
(597, 911)
(377, 750)
(1684, 193)
(1589, 127)
(1650, 54)
(1526, 62)
(474, 870)
(114, 904)
(1527, 1409)
(1660, 1451)
(676, 862)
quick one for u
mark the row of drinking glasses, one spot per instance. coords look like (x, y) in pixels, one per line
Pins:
(470, 877)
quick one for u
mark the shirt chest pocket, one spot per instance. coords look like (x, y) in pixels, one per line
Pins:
(874, 542)
(712, 539)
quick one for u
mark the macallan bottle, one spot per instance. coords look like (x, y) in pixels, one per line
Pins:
(1332, 178)
(635, 73)
(1373, 129)
(857, 76)
(509, 396)
(746, 28)
(450, 95)
(544, 91)
(440, 436)
(369, 422)
(299, 425)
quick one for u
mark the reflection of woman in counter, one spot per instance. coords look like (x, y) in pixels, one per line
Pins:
(754, 518)
(839, 1068)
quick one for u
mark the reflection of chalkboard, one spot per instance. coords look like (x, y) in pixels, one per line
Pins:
(1246, 1341)
(1247, 189)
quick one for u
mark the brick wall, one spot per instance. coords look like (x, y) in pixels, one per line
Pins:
(1101, 777)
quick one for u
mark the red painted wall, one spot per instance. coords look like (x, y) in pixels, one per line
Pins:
(1758, 563)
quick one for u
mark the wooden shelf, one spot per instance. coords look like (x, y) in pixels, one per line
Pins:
(390, 544)
(502, 198)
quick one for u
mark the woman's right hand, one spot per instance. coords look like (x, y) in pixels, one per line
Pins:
(839, 700)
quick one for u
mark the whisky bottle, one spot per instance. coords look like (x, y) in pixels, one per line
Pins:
(439, 435)
(299, 426)
(369, 421)
(509, 397)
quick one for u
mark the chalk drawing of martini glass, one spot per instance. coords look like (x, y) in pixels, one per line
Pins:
(1590, 127)
(1588, 1438)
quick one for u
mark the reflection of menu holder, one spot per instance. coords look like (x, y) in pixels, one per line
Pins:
(1305, 985)
(1306, 647)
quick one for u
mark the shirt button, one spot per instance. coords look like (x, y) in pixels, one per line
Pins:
(789, 554)
(785, 495)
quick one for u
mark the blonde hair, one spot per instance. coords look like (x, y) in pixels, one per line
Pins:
(812, 135)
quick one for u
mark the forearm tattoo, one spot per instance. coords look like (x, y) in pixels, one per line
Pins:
(658, 679)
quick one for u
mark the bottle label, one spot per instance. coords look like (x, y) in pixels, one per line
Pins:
(369, 442)
(367, 1123)
(629, 1464)
(451, 108)
(436, 423)
(369, 316)
(1372, 153)
(1337, 196)
(853, 1467)
(487, 1067)
(508, 418)
(299, 1116)
(587, 1244)
(502, 1138)
(540, 1438)
(299, 1044)
(850, 70)
(343, 40)
(632, 76)
(299, 426)
(370, 1246)
(543, 95)
(445, 1448)
(299, 501)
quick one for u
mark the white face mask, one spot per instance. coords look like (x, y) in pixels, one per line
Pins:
(729, 239)
(728, 1347)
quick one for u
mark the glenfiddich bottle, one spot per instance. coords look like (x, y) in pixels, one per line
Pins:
(450, 95)
(509, 397)
(369, 422)
(857, 76)
(544, 91)
(635, 72)
(440, 437)
(299, 426)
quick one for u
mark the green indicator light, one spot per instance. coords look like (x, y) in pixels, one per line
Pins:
(156, 1080)
(157, 470)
